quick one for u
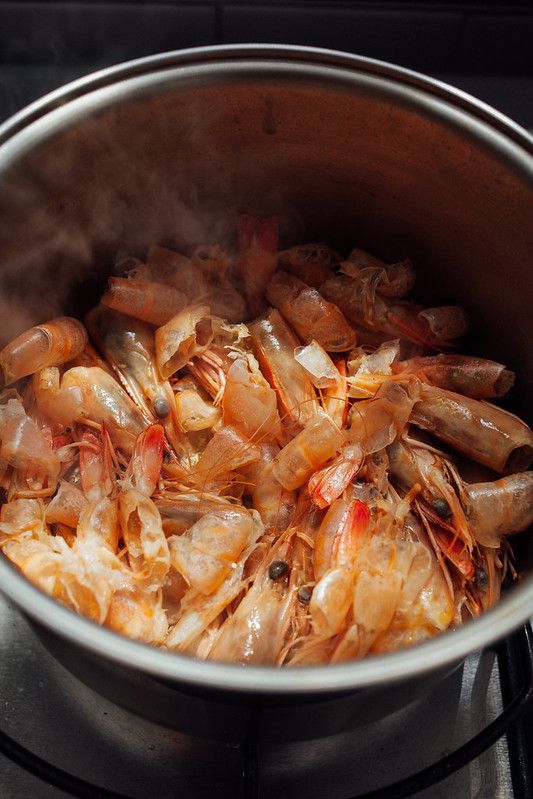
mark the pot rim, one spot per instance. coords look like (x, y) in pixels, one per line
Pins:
(195, 56)
(445, 649)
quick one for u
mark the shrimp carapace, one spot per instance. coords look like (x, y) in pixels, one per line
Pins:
(262, 453)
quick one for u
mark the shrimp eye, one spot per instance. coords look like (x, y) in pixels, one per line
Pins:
(482, 578)
(441, 508)
(304, 594)
(277, 569)
(161, 407)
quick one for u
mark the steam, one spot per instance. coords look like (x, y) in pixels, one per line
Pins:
(160, 170)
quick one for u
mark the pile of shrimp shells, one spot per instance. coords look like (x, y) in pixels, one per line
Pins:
(325, 481)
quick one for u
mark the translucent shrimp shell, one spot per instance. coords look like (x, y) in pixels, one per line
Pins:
(49, 344)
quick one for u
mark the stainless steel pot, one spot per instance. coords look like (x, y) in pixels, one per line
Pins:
(172, 148)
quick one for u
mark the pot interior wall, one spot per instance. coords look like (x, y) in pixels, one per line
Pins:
(342, 159)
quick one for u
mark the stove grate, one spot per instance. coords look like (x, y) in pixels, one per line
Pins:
(515, 658)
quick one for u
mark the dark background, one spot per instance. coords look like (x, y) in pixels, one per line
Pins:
(484, 48)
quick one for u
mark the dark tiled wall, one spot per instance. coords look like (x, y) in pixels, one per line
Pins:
(486, 49)
(427, 38)
(96, 33)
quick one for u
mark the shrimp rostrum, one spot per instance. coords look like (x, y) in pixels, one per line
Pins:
(262, 452)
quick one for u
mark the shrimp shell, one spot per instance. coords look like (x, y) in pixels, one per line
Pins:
(50, 344)
(331, 600)
(58, 404)
(22, 518)
(106, 402)
(311, 263)
(138, 614)
(194, 413)
(499, 508)
(328, 484)
(144, 468)
(129, 346)
(375, 423)
(318, 365)
(275, 505)
(175, 269)
(187, 334)
(274, 344)
(393, 280)
(151, 302)
(226, 451)
(183, 510)
(66, 506)
(481, 431)
(475, 377)
(412, 465)
(314, 445)
(249, 635)
(199, 611)
(205, 554)
(96, 467)
(341, 533)
(257, 261)
(148, 552)
(249, 404)
(255, 632)
(24, 445)
(310, 314)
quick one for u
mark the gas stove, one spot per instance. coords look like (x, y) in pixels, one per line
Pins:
(55, 717)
